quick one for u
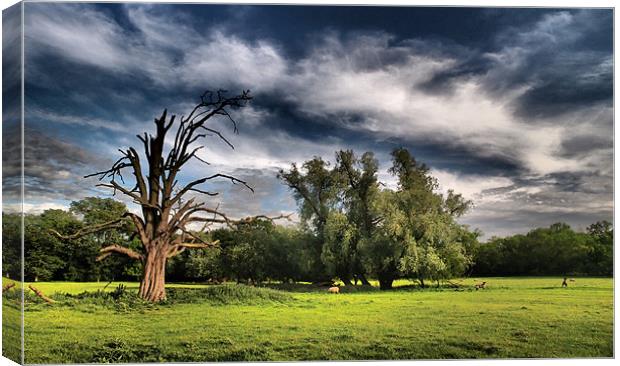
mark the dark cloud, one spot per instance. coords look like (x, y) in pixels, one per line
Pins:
(565, 94)
(461, 158)
(11, 73)
(582, 145)
(576, 199)
(563, 59)
(52, 169)
(511, 106)
(472, 65)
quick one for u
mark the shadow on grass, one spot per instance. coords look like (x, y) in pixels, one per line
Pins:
(123, 299)
(312, 288)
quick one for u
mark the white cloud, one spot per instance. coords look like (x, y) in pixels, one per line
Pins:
(33, 208)
(81, 34)
(369, 83)
(391, 104)
(69, 119)
(222, 60)
(470, 186)
(339, 78)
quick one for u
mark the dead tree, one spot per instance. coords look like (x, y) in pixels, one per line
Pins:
(164, 228)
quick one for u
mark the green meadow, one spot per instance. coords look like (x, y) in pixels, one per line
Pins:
(511, 318)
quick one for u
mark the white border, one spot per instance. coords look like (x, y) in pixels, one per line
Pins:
(480, 3)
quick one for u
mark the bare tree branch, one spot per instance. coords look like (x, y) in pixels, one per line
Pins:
(180, 248)
(204, 192)
(191, 185)
(199, 245)
(90, 230)
(232, 223)
(219, 135)
(115, 248)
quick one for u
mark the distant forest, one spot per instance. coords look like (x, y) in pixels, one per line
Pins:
(265, 251)
(352, 229)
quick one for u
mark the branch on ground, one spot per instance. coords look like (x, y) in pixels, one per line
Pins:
(41, 295)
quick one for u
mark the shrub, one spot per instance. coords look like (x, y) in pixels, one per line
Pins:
(124, 300)
(226, 294)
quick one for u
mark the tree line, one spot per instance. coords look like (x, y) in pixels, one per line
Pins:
(556, 250)
(353, 228)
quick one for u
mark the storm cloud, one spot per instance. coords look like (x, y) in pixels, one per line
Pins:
(512, 107)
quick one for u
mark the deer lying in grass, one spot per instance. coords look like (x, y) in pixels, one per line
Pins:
(480, 285)
(334, 290)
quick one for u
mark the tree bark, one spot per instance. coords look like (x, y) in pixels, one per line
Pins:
(385, 282)
(364, 280)
(346, 279)
(153, 284)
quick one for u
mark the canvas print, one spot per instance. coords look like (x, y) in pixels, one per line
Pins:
(213, 182)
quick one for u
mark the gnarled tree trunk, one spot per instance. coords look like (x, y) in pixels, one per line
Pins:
(153, 284)
(385, 281)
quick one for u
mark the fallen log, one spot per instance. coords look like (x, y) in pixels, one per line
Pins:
(8, 287)
(41, 295)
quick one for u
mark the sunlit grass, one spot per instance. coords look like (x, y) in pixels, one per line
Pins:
(513, 317)
(11, 330)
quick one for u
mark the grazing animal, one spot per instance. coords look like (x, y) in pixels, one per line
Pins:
(480, 285)
(334, 290)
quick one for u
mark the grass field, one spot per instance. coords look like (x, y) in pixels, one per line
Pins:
(512, 318)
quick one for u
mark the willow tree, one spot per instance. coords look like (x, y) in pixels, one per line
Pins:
(168, 222)
(315, 187)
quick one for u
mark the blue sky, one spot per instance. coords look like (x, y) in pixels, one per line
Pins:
(511, 107)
